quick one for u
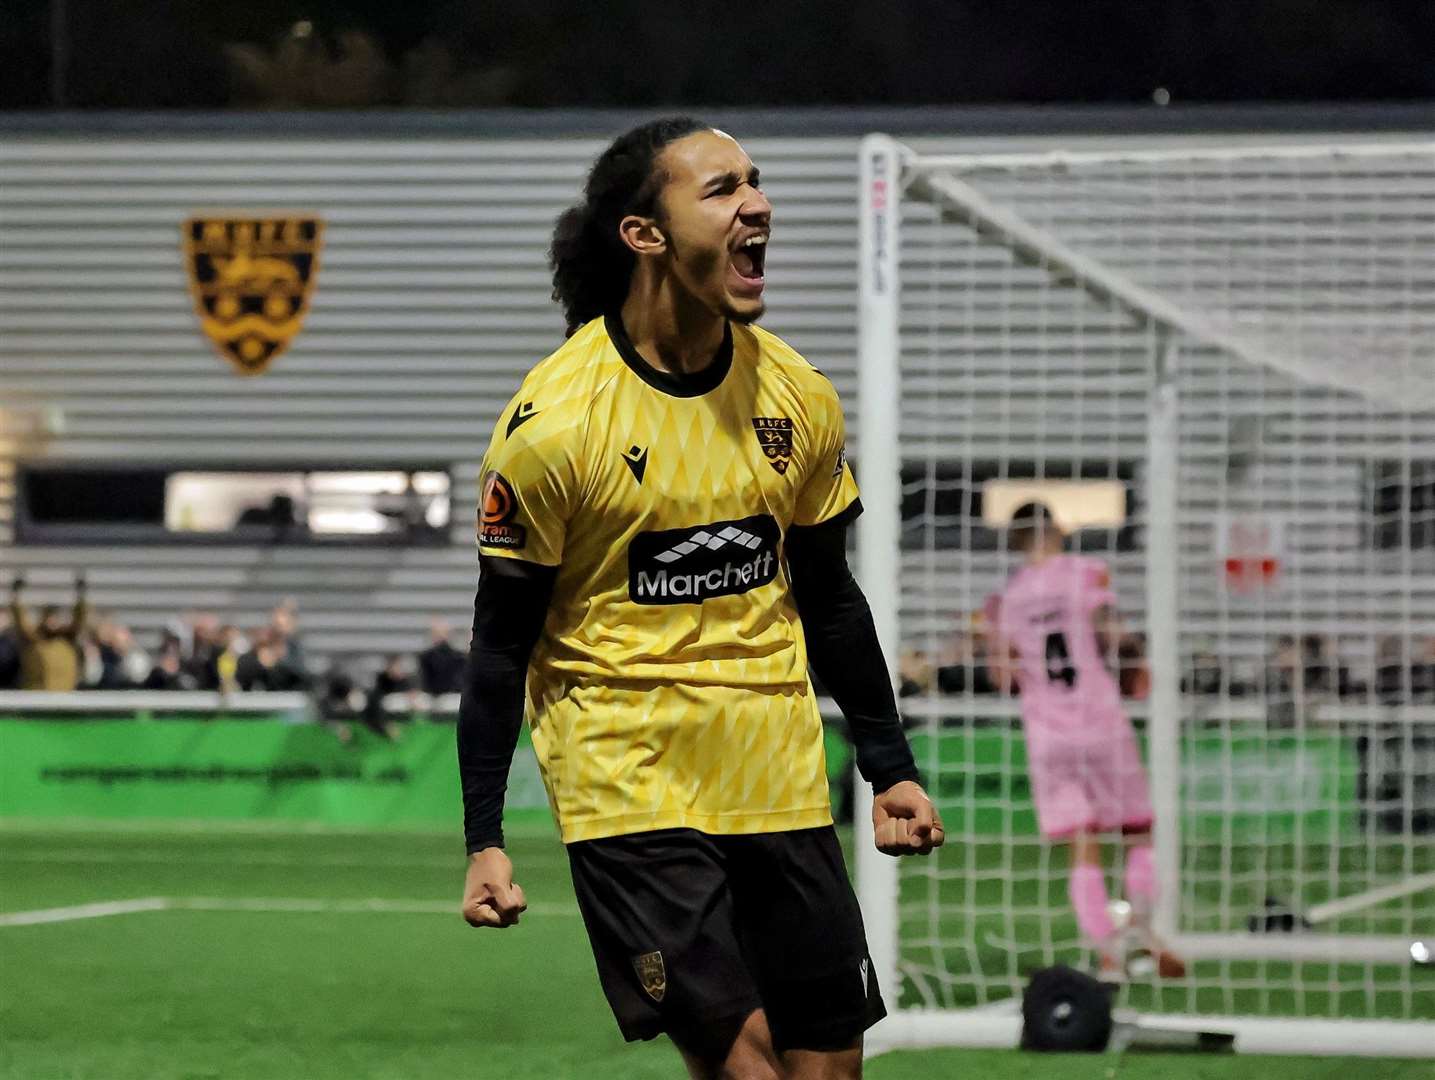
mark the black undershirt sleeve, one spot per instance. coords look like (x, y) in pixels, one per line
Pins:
(508, 615)
(843, 649)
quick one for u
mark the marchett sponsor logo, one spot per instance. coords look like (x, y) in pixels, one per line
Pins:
(688, 566)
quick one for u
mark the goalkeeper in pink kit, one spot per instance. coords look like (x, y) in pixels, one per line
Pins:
(1057, 623)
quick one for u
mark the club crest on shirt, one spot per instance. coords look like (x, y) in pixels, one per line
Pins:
(251, 279)
(497, 508)
(652, 974)
(774, 434)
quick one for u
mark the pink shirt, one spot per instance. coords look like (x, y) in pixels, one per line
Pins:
(1046, 613)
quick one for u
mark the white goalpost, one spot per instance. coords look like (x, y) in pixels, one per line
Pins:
(1216, 364)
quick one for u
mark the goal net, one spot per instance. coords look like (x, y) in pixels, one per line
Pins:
(1216, 367)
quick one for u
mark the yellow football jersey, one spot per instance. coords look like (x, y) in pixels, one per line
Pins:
(669, 688)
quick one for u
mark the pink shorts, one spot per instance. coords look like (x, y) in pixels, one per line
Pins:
(1089, 786)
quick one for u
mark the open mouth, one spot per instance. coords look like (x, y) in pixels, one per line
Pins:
(749, 259)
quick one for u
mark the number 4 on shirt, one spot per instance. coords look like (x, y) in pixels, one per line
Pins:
(1058, 660)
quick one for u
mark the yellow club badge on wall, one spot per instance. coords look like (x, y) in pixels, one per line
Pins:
(251, 279)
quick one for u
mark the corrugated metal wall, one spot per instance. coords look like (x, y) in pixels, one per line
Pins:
(431, 301)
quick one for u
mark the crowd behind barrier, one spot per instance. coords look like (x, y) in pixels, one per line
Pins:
(1295, 672)
(85, 649)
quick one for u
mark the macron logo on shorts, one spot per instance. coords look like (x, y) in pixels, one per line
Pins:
(688, 566)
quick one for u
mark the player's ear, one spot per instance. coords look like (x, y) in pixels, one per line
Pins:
(643, 235)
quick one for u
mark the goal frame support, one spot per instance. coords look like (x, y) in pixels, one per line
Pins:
(1163, 636)
(913, 1029)
(882, 186)
(879, 529)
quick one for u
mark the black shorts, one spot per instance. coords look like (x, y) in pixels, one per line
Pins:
(693, 931)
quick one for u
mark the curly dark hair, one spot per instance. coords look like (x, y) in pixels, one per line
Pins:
(591, 265)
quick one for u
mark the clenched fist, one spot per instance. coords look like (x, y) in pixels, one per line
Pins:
(905, 822)
(490, 895)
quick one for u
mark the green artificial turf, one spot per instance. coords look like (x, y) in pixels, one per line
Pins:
(183, 994)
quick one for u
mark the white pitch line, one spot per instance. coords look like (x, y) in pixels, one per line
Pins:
(190, 826)
(277, 905)
(83, 911)
(347, 907)
(300, 904)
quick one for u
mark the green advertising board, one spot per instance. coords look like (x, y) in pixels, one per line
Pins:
(238, 770)
(1234, 780)
(231, 770)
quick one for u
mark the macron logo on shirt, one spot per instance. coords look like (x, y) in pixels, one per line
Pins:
(688, 566)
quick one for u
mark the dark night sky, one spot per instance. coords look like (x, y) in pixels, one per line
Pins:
(180, 53)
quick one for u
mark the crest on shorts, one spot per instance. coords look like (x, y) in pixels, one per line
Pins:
(251, 279)
(652, 974)
(774, 434)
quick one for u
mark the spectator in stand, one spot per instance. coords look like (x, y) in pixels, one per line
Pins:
(264, 668)
(1132, 673)
(1314, 666)
(1389, 669)
(1405, 670)
(1283, 670)
(1204, 676)
(1305, 670)
(342, 702)
(394, 678)
(441, 665)
(915, 672)
(342, 699)
(123, 664)
(169, 671)
(284, 633)
(231, 648)
(201, 660)
(1321, 672)
(49, 659)
(1422, 670)
(1002, 674)
(282, 518)
(92, 664)
(9, 653)
(963, 664)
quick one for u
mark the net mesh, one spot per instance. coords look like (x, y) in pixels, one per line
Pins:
(1303, 282)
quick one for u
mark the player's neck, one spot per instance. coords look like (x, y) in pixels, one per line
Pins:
(671, 332)
(1037, 556)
